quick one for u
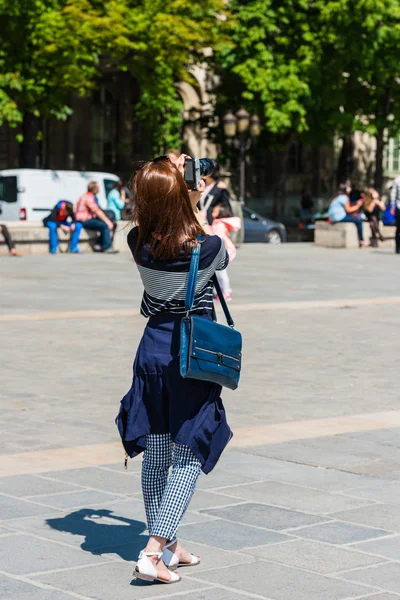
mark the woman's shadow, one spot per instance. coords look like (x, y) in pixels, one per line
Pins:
(104, 532)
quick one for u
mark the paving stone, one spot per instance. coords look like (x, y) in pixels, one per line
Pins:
(4, 531)
(134, 466)
(111, 581)
(383, 596)
(314, 556)
(388, 547)
(296, 452)
(378, 491)
(24, 554)
(229, 536)
(390, 437)
(13, 589)
(93, 530)
(276, 470)
(108, 481)
(384, 516)
(290, 496)
(212, 558)
(385, 576)
(31, 485)
(12, 508)
(221, 478)
(85, 498)
(283, 583)
(204, 499)
(214, 594)
(263, 515)
(339, 533)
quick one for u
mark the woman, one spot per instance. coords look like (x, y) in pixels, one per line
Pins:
(116, 200)
(372, 207)
(342, 210)
(176, 422)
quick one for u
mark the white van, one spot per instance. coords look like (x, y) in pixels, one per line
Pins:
(30, 194)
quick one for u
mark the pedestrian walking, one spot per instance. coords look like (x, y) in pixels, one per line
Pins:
(89, 213)
(177, 422)
(372, 208)
(395, 208)
(62, 216)
(342, 210)
(9, 241)
(222, 225)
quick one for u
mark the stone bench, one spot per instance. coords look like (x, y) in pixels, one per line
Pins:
(33, 238)
(344, 235)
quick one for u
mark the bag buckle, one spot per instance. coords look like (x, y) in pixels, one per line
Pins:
(220, 358)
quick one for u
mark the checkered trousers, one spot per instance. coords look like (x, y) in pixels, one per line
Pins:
(167, 494)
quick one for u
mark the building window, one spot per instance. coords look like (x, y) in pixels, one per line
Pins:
(393, 156)
(104, 129)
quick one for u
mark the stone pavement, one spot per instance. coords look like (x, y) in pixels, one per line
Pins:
(305, 502)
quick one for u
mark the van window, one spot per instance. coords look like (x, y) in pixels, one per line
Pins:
(8, 189)
(108, 184)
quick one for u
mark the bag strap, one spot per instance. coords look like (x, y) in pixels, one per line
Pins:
(224, 305)
(192, 278)
(191, 286)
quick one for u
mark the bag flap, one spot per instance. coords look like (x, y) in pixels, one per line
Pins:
(214, 361)
(213, 336)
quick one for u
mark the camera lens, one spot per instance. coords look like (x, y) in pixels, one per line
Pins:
(207, 167)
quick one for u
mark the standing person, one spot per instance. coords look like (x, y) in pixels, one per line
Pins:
(62, 216)
(341, 211)
(177, 422)
(222, 225)
(9, 241)
(89, 213)
(117, 200)
(372, 207)
(215, 194)
(395, 208)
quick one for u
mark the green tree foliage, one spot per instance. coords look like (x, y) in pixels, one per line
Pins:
(52, 49)
(318, 68)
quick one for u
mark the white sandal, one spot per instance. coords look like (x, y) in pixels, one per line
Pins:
(146, 570)
(172, 561)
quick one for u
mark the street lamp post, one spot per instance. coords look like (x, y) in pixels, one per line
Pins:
(240, 130)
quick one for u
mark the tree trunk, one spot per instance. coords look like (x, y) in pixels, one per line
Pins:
(30, 147)
(278, 208)
(346, 161)
(316, 171)
(380, 147)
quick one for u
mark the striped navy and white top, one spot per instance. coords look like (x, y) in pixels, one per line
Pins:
(165, 281)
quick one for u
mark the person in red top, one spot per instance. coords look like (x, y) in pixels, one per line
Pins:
(62, 216)
(89, 213)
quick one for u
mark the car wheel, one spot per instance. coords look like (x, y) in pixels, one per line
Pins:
(273, 237)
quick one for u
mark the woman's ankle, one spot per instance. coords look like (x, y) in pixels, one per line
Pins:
(155, 544)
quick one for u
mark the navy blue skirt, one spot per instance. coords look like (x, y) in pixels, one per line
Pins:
(161, 401)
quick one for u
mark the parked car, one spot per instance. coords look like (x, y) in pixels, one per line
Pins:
(30, 194)
(260, 229)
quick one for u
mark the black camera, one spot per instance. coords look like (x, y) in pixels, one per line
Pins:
(195, 169)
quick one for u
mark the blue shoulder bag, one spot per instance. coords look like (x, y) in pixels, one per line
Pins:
(209, 351)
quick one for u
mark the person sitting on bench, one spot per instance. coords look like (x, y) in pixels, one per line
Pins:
(340, 211)
(62, 216)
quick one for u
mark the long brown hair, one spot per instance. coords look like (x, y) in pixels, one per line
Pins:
(369, 198)
(163, 211)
